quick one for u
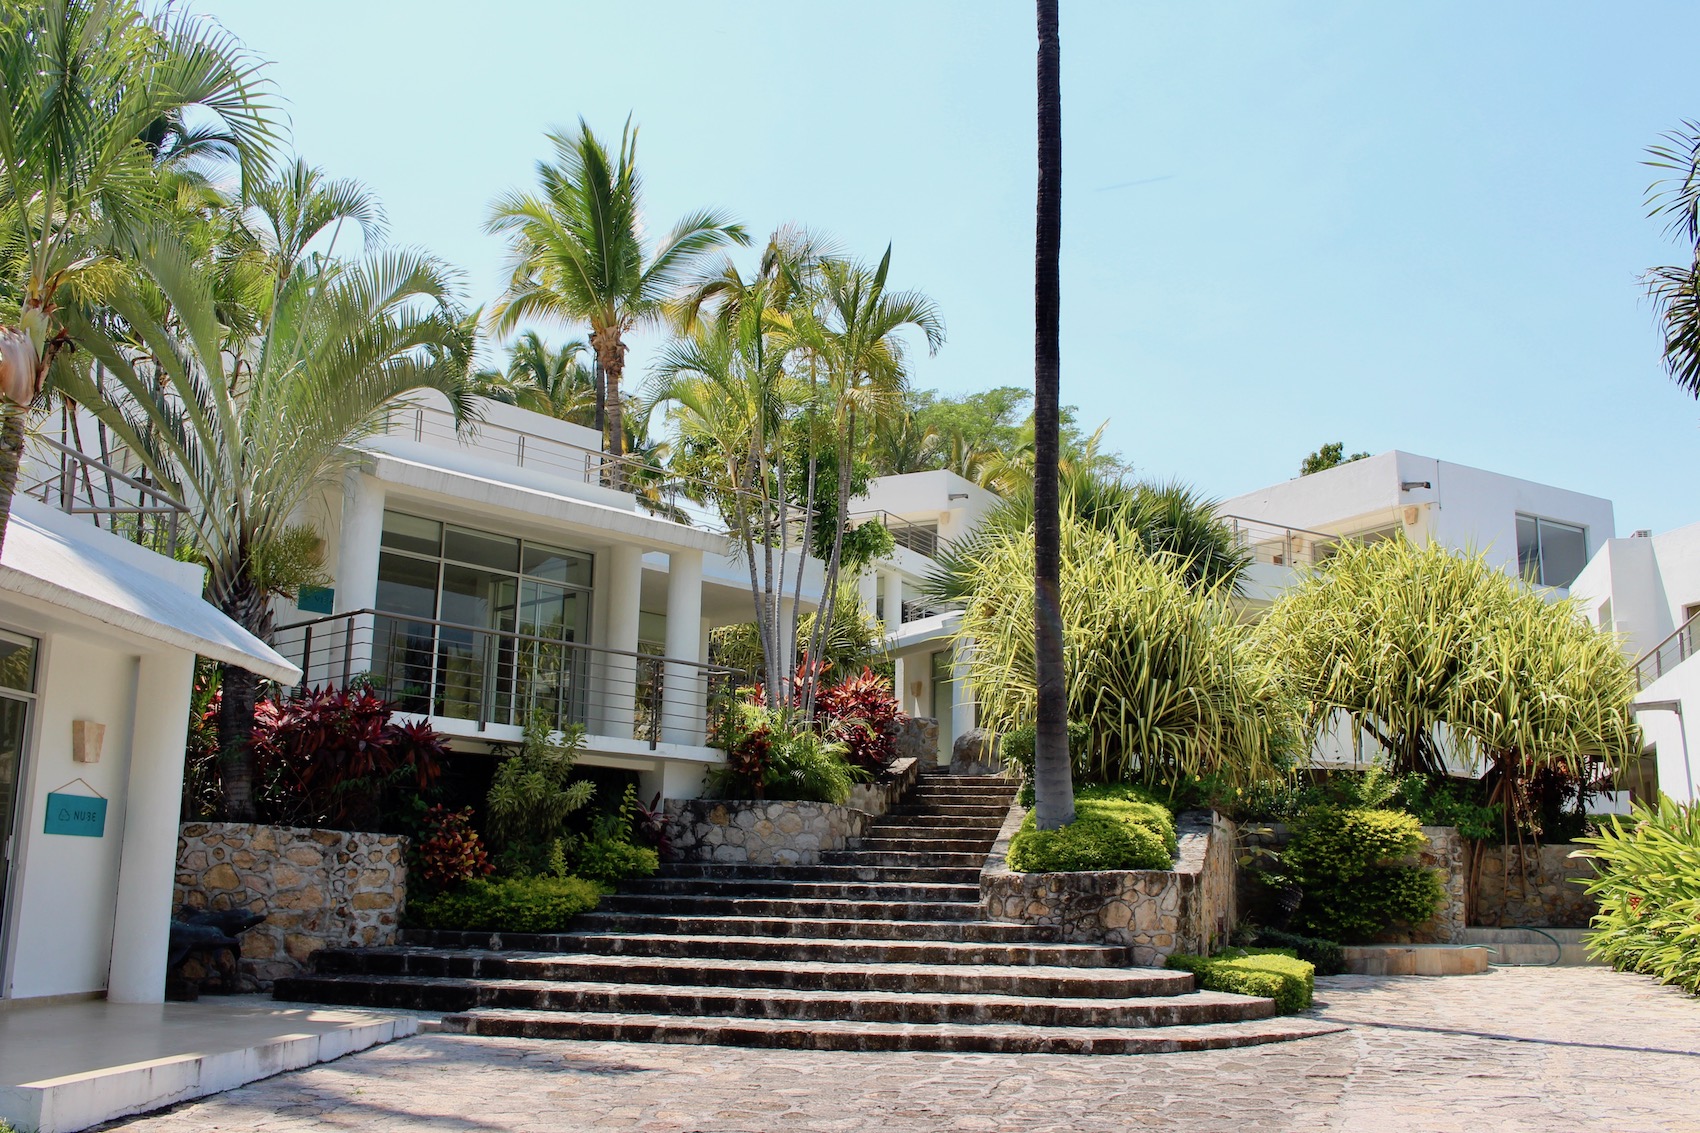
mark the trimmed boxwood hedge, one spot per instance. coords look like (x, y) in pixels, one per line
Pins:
(1115, 827)
(1271, 973)
(508, 904)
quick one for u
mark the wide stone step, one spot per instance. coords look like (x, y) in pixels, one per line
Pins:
(898, 874)
(801, 890)
(423, 993)
(826, 949)
(793, 1035)
(901, 843)
(970, 812)
(881, 861)
(1048, 981)
(986, 798)
(701, 905)
(795, 926)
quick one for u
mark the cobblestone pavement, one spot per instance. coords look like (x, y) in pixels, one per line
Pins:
(1515, 1049)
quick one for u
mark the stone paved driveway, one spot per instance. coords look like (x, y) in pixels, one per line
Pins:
(1516, 1049)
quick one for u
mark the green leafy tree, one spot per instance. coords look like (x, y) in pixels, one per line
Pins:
(1675, 288)
(555, 383)
(97, 96)
(1328, 456)
(578, 256)
(244, 426)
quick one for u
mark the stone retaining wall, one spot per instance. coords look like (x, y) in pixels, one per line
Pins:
(1542, 888)
(760, 832)
(318, 888)
(1191, 908)
(1444, 853)
(918, 739)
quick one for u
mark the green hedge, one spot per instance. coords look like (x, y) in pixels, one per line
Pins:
(1118, 827)
(509, 904)
(1344, 861)
(1328, 958)
(1649, 892)
(1270, 973)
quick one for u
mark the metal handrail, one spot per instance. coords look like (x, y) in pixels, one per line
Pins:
(922, 538)
(1293, 542)
(59, 488)
(1682, 637)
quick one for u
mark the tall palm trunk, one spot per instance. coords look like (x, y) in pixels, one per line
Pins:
(1053, 781)
(246, 605)
(611, 356)
(11, 453)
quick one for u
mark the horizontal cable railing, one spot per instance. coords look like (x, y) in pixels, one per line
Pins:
(915, 610)
(1276, 545)
(117, 501)
(494, 676)
(922, 538)
(1667, 654)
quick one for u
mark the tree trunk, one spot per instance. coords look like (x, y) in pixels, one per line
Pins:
(237, 692)
(601, 399)
(1053, 778)
(11, 452)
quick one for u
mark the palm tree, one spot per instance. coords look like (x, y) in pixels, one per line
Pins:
(95, 95)
(1052, 778)
(852, 332)
(555, 383)
(244, 427)
(577, 256)
(1675, 289)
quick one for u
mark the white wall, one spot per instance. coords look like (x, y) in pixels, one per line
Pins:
(65, 886)
(1664, 730)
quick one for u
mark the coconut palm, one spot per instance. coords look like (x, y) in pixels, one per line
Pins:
(555, 383)
(577, 255)
(245, 427)
(95, 95)
(1054, 798)
(1675, 289)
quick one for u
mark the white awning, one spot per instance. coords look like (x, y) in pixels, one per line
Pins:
(67, 563)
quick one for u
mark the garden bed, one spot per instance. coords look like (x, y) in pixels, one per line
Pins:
(1190, 908)
(773, 832)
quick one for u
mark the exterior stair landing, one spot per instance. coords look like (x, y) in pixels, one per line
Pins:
(879, 947)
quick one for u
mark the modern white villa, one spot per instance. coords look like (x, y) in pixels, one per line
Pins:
(98, 639)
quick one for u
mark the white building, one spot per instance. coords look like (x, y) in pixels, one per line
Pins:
(98, 638)
(1646, 589)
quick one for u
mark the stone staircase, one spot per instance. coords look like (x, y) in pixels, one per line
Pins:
(879, 947)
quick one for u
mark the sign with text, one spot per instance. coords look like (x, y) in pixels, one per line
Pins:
(81, 815)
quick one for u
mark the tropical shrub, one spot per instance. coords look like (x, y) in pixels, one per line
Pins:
(447, 850)
(1327, 957)
(771, 754)
(1347, 862)
(507, 904)
(862, 713)
(1161, 673)
(1648, 887)
(1113, 828)
(1270, 973)
(531, 797)
(338, 758)
(1016, 749)
(609, 855)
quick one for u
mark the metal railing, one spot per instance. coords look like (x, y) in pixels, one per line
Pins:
(81, 485)
(487, 676)
(1667, 654)
(922, 538)
(914, 611)
(1277, 545)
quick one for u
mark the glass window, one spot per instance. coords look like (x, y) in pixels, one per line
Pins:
(555, 564)
(410, 533)
(407, 586)
(17, 662)
(482, 549)
(1549, 553)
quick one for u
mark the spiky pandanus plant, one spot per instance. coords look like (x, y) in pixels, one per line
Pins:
(1162, 673)
(244, 428)
(93, 95)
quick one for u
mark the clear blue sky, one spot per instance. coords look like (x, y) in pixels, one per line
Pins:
(1411, 226)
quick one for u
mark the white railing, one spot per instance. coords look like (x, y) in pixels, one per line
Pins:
(1276, 545)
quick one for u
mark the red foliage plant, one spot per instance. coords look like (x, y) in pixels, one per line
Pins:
(862, 712)
(448, 850)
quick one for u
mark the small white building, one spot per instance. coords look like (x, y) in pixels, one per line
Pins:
(98, 639)
(1646, 589)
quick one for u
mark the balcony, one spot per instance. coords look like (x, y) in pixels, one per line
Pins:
(125, 504)
(922, 538)
(1274, 545)
(1667, 654)
(482, 683)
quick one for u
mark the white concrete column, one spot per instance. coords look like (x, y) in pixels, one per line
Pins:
(868, 585)
(788, 645)
(684, 708)
(892, 582)
(356, 582)
(673, 779)
(147, 863)
(619, 673)
(961, 694)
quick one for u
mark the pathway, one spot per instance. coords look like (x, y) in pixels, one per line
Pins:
(1514, 1050)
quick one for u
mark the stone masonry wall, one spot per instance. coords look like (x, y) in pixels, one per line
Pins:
(1542, 888)
(918, 739)
(1191, 908)
(318, 888)
(765, 832)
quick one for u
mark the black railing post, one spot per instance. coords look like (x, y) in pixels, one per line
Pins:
(655, 668)
(306, 659)
(348, 651)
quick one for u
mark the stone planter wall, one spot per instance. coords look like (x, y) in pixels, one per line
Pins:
(918, 739)
(318, 888)
(1191, 908)
(1542, 888)
(760, 832)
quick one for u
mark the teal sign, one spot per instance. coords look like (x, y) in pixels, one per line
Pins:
(75, 814)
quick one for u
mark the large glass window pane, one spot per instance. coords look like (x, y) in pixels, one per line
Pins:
(407, 586)
(1529, 549)
(557, 564)
(17, 663)
(474, 669)
(482, 549)
(410, 533)
(13, 730)
(1564, 552)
